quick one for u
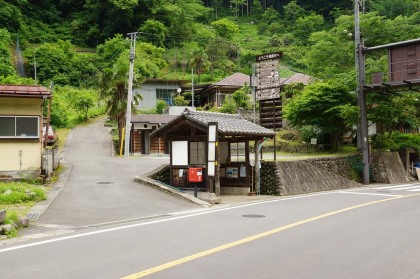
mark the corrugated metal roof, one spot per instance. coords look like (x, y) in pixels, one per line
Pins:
(24, 91)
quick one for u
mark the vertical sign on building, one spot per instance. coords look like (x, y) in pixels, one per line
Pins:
(212, 149)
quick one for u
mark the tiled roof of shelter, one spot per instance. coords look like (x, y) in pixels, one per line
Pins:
(152, 118)
(24, 91)
(228, 124)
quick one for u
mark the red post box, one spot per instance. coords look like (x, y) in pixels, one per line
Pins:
(195, 174)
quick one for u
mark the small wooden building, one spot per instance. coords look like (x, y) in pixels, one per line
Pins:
(142, 126)
(191, 146)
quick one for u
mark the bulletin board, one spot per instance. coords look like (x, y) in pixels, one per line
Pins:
(179, 152)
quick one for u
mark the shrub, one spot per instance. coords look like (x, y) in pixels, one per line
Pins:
(396, 141)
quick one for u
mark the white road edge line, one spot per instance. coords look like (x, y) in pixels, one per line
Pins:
(370, 194)
(154, 222)
(405, 188)
(396, 186)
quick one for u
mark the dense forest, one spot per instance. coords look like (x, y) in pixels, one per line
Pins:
(82, 45)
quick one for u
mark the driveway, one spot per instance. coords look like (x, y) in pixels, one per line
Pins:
(100, 188)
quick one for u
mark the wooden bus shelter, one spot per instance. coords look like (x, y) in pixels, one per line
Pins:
(190, 147)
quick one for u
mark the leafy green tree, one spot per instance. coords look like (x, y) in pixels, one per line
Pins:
(392, 112)
(242, 97)
(11, 18)
(200, 62)
(179, 16)
(256, 9)
(330, 53)
(321, 105)
(292, 12)
(60, 107)
(239, 99)
(6, 67)
(58, 62)
(225, 28)
(125, 4)
(393, 8)
(270, 16)
(307, 25)
(229, 105)
(221, 52)
(155, 32)
(83, 101)
(108, 52)
(53, 62)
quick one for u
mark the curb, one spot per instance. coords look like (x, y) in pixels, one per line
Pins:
(37, 210)
(168, 189)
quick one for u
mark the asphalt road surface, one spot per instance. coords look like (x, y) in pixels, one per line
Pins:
(357, 233)
(101, 189)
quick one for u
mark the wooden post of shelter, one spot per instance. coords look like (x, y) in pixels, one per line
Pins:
(257, 167)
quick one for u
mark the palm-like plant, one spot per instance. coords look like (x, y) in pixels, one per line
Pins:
(115, 92)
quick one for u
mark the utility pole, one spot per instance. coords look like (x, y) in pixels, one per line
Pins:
(362, 129)
(192, 87)
(254, 97)
(133, 37)
(36, 82)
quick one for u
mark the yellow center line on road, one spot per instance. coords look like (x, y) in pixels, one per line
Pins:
(252, 238)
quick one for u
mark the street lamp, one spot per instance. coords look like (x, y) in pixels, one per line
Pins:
(179, 90)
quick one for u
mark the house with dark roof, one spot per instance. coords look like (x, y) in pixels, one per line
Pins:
(215, 93)
(21, 121)
(222, 153)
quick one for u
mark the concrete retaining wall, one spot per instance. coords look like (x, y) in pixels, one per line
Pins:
(387, 167)
(300, 177)
(313, 175)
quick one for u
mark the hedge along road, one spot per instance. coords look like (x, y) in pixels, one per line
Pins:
(327, 235)
(101, 188)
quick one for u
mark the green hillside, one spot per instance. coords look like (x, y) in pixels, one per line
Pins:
(82, 45)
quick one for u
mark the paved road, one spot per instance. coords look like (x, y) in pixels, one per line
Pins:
(357, 233)
(100, 187)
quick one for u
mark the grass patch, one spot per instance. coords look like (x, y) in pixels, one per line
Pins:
(20, 192)
(62, 133)
(17, 198)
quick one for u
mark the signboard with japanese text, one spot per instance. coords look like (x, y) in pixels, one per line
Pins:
(269, 56)
(267, 76)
